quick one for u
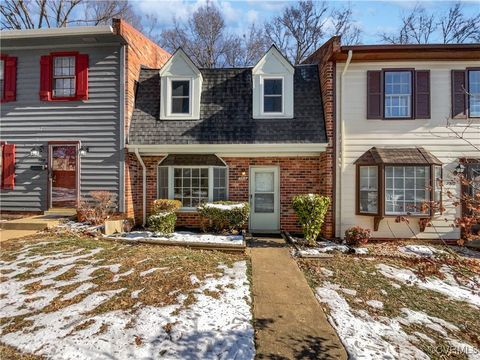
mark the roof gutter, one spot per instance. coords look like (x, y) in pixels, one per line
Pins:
(56, 32)
(342, 133)
(144, 187)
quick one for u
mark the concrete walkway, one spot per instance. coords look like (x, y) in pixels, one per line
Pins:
(289, 322)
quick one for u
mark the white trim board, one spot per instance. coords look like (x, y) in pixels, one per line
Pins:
(233, 149)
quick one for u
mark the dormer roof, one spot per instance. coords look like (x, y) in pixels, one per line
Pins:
(180, 64)
(273, 62)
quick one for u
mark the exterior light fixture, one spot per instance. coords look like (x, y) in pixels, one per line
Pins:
(36, 151)
(459, 169)
(83, 150)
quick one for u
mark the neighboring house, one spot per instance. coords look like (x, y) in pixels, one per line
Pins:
(67, 95)
(392, 105)
(244, 134)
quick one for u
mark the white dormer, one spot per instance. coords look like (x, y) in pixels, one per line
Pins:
(181, 87)
(273, 86)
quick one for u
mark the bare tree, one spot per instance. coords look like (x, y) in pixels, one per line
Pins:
(246, 50)
(205, 39)
(421, 27)
(32, 14)
(458, 28)
(299, 29)
(343, 25)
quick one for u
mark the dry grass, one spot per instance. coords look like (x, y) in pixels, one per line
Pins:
(158, 288)
(10, 353)
(359, 273)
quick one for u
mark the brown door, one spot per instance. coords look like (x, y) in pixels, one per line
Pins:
(63, 176)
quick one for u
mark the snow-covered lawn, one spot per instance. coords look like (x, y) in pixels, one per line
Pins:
(79, 298)
(402, 301)
(185, 236)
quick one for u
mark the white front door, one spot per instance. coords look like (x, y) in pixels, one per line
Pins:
(264, 199)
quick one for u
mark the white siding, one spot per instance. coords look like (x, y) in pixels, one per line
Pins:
(362, 134)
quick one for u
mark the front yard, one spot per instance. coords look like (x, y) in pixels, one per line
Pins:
(402, 301)
(66, 296)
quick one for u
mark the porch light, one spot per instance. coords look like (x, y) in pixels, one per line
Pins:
(36, 151)
(83, 150)
(459, 169)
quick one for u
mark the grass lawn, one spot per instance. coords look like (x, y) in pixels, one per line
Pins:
(409, 305)
(65, 296)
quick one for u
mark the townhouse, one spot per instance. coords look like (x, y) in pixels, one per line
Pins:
(407, 121)
(67, 96)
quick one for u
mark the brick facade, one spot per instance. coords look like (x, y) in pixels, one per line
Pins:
(326, 67)
(139, 51)
(298, 175)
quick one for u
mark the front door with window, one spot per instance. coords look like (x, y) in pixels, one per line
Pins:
(63, 177)
(264, 199)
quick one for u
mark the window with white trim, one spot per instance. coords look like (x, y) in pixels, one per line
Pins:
(368, 189)
(437, 188)
(398, 94)
(474, 93)
(273, 95)
(64, 76)
(406, 189)
(180, 97)
(192, 185)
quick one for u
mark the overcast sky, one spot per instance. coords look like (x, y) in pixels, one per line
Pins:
(372, 16)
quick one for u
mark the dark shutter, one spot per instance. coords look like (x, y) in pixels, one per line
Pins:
(10, 77)
(374, 95)
(81, 77)
(422, 94)
(46, 78)
(459, 94)
(8, 166)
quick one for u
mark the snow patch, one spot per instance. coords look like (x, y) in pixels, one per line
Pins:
(420, 250)
(184, 236)
(375, 304)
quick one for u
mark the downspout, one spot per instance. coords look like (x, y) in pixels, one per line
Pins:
(342, 136)
(144, 187)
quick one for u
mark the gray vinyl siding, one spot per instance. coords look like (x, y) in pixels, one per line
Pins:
(29, 122)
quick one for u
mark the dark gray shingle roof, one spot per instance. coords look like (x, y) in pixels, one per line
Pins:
(226, 112)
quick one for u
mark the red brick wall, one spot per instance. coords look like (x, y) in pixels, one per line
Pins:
(139, 51)
(326, 66)
(298, 175)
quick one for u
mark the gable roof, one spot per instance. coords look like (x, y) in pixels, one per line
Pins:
(179, 55)
(275, 52)
(226, 112)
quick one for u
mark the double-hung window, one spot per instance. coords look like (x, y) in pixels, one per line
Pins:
(273, 95)
(180, 98)
(64, 76)
(474, 93)
(192, 185)
(398, 94)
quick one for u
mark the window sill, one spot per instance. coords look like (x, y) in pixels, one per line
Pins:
(187, 210)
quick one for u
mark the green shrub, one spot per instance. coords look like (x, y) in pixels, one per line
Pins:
(311, 210)
(165, 206)
(222, 216)
(163, 223)
(357, 235)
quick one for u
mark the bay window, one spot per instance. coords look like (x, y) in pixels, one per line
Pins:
(398, 182)
(192, 185)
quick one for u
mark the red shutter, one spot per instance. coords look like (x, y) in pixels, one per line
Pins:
(82, 77)
(8, 164)
(374, 95)
(46, 78)
(10, 77)
(459, 94)
(422, 94)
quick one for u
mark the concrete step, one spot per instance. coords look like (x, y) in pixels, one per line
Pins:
(37, 223)
(65, 212)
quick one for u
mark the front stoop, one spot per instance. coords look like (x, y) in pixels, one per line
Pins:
(35, 223)
(289, 321)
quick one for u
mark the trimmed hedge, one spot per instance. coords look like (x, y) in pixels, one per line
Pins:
(311, 210)
(165, 206)
(223, 216)
(163, 223)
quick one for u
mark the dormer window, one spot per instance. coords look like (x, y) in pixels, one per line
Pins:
(180, 96)
(181, 88)
(272, 79)
(273, 95)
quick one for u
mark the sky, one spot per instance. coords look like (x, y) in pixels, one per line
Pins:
(372, 17)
